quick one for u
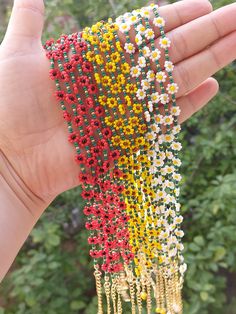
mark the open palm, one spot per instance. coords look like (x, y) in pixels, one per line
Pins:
(33, 136)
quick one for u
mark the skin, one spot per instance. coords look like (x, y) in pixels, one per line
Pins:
(36, 160)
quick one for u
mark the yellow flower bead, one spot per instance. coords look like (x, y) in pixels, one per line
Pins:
(160, 310)
(143, 295)
(115, 57)
(99, 59)
(125, 68)
(106, 80)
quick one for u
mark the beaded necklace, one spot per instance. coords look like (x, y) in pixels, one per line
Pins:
(120, 107)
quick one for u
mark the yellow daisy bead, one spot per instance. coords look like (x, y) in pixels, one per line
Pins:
(160, 310)
(125, 68)
(143, 296)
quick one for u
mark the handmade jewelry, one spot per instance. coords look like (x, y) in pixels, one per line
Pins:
(120, 107)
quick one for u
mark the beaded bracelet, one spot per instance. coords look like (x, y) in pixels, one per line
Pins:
(125, 135)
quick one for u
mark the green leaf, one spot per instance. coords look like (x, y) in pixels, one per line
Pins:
(204, 295)
(77, 305)
(219, 253)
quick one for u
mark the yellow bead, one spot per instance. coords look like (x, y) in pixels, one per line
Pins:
(143, 295)
(160, 310)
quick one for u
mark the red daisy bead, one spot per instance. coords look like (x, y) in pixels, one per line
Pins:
(78, 121)
(91, 162)
(73, 137)
(65, 76)
(84, 141)
(99, 110)
(76, 59)
(80, 159)
(83, 80)
(89, 102)
(67, 116)
(54, 74)
(70, 98)
(69, 67)
(60, 95)
(87, 66)
(92, 89)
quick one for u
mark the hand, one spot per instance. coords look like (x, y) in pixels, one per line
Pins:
(33, 135)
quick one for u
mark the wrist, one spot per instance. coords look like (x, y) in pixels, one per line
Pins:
(17, 191)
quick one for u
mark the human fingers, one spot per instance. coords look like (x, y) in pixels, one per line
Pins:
(198, 34)
(175, 15)
(191, 72)
(26, 22)
(197, 98)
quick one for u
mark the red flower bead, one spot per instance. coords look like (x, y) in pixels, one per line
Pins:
(107, 133)
(92, 89)
(117, 173)
(73, 137)
(87, 66)
(89, 102)
(80, 159)
(96, 151)
(64, 47)
(91, 162)
(89, 130)
(94, 254)
(67, 116)
(81, 46)
(95, 123)
(60, 95)
(105, 267)
(75, 88)
(54, 74)
(76, 59)
(87, 194)
(99, 110)
(70, 98)
(78, 121)
(88, 210)
(103, 144)
(83, 81)
(65, 76)
(56, 55)
(84, 141)
(114, 155)
(122, 205)
(69, 67)
(82, 109)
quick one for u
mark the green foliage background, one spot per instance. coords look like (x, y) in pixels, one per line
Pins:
(53, 273)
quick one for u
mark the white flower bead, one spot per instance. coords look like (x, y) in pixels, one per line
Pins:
(145, 84)
(129, 48)
(176, 129)
(164, 99)
(124, 27)
(155, 55)
(142, 62)
(135, 71)
(176, 146)
(150, 136)
(155, 97)
(141, 94)
(158, 118)
(147, 116)
(133, 19)
(168, 120)
(183, 268)
(159, 21)
(151, 75)
(146, 52)
(177, 177)
(175, 111)
(179, 233)
(172, 88)
(149, 34)
(169, 67)
(161, 77)
(150, 106)
(178, 220)
(165, 42)
(176, 162)
(138, 39)
(141, 29)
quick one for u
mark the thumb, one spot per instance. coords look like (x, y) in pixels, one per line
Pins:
(26, 21)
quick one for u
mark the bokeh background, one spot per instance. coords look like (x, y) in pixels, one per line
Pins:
(53, 272)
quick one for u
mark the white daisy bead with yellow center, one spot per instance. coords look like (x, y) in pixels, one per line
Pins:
(161, 77)
(141, 94)
(169, 67)
(172, 88)
(149, 34)
(135, 71)
(159, 21)
(155, 97)
(146, 52)
(164, 42)
(168, 120)
(155, 55)
(124, 27)
(176, 146)
(151, 75)
(141, 29)
(164, 99)
(142, 62)
(129, 48)
(145, 84)
(175, 111)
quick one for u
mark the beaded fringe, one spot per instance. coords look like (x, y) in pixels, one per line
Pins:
(156, 292)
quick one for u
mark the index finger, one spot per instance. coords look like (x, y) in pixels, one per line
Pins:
(175, 15)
